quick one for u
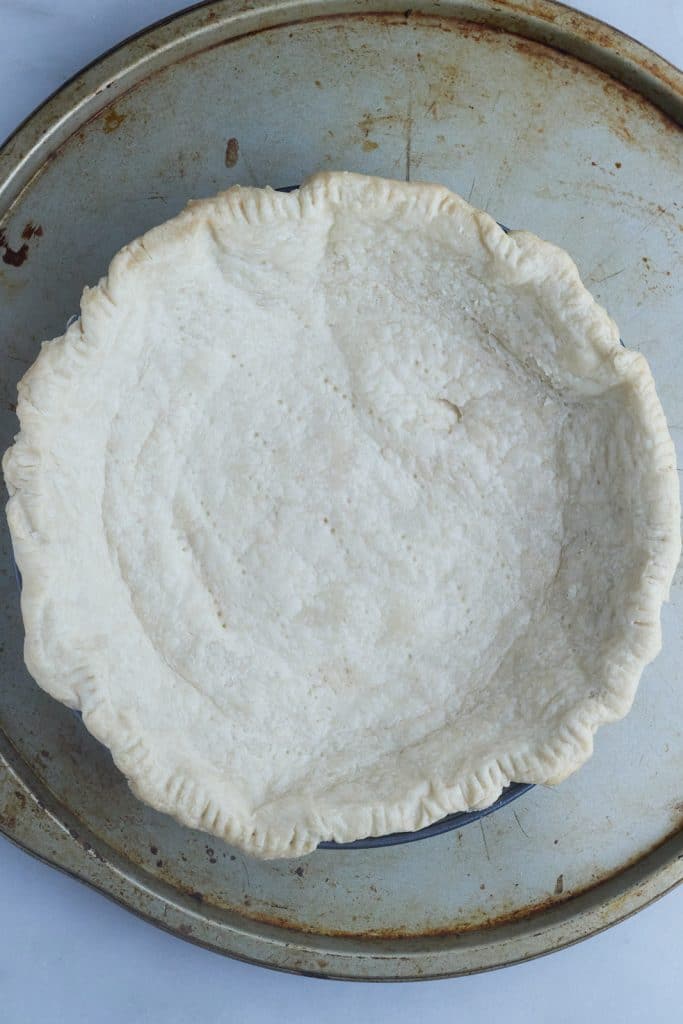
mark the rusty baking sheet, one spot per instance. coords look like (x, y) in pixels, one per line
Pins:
(549, 120)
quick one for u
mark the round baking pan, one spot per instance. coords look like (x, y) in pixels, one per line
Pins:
(549, 120)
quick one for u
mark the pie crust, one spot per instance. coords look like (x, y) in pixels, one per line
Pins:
(338, 510)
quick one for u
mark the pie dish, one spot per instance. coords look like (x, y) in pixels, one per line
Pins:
(338, 510)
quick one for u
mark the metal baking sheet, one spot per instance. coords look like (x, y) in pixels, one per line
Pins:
(550, 121)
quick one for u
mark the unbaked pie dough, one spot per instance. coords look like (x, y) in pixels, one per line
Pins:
(338, 510)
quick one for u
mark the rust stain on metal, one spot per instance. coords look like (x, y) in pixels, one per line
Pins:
(371, 122)
(619, 115)
(232, 152)
(538, 51)
(276, 921)
(595, 33)
(476, 30)
(668, 75)
(11, 283)
(13, 257)
(443, 90)
(112, 120)
(31, 230)
(536, 8)
(13, 809)
(478, 921)
(471, 29)
(621, 118)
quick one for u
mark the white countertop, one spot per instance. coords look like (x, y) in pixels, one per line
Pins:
(67, 953)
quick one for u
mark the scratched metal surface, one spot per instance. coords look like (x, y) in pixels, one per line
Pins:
(463, 93)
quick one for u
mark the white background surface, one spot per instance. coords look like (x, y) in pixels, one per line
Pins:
(67, 954)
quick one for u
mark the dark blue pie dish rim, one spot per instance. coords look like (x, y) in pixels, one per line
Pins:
(437, 828)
